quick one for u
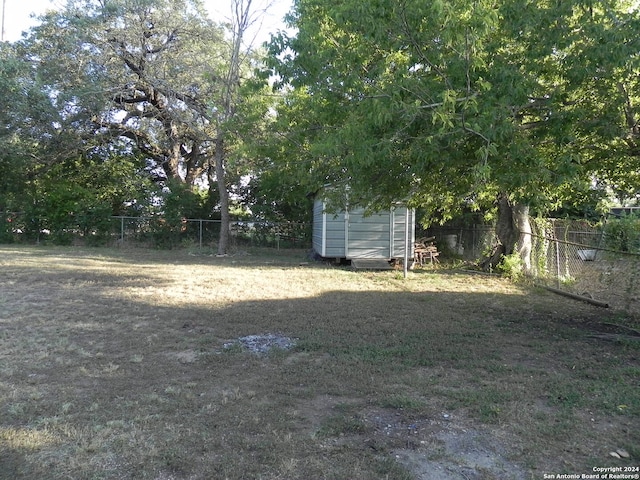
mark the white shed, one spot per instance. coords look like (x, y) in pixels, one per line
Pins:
(351, 234)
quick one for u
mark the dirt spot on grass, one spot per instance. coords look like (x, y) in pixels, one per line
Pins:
(263, 343)
(455, 453)
(440, 447)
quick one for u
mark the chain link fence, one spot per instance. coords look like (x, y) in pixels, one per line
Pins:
(595, 262)
(464, 242)
(598, 263)
(156, 232)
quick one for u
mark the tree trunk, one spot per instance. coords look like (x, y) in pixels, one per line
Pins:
(174, 160)
(219, 155)
(513, 231)
(171, 165)
(520, 215)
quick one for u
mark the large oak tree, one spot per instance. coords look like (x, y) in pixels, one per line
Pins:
(156, 78)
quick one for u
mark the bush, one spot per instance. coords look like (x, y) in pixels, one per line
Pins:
(623, 234)
(511, 266)
(95, 224)
(166, 233)
(6, 229)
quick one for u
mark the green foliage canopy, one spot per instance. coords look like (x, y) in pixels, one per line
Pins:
(153, 88)
(450, 103)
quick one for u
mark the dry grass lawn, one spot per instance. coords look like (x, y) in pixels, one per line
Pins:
(122, 364)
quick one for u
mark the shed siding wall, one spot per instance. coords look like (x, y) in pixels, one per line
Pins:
(335, 235)
(369, 236)
(353, 235)
(399, 231)
(317, 237)
(328, 231)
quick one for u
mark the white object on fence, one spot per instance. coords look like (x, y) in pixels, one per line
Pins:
(587, 255)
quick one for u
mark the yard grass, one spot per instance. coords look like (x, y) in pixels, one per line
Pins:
(121, 364)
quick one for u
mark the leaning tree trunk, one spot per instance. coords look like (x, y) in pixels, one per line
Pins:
(223, 240)
(513, 231)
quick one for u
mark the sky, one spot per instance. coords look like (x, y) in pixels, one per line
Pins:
(17, 15)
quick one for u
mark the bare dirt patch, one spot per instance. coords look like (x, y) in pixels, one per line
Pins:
(113, 366)
(262, 343)
(461, 453)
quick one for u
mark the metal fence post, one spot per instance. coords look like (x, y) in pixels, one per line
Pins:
(121, 230)
(557, 245)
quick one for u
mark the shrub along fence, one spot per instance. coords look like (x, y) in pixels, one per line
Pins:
(155, 231)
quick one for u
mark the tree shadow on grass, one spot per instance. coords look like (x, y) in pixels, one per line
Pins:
(143, 387)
